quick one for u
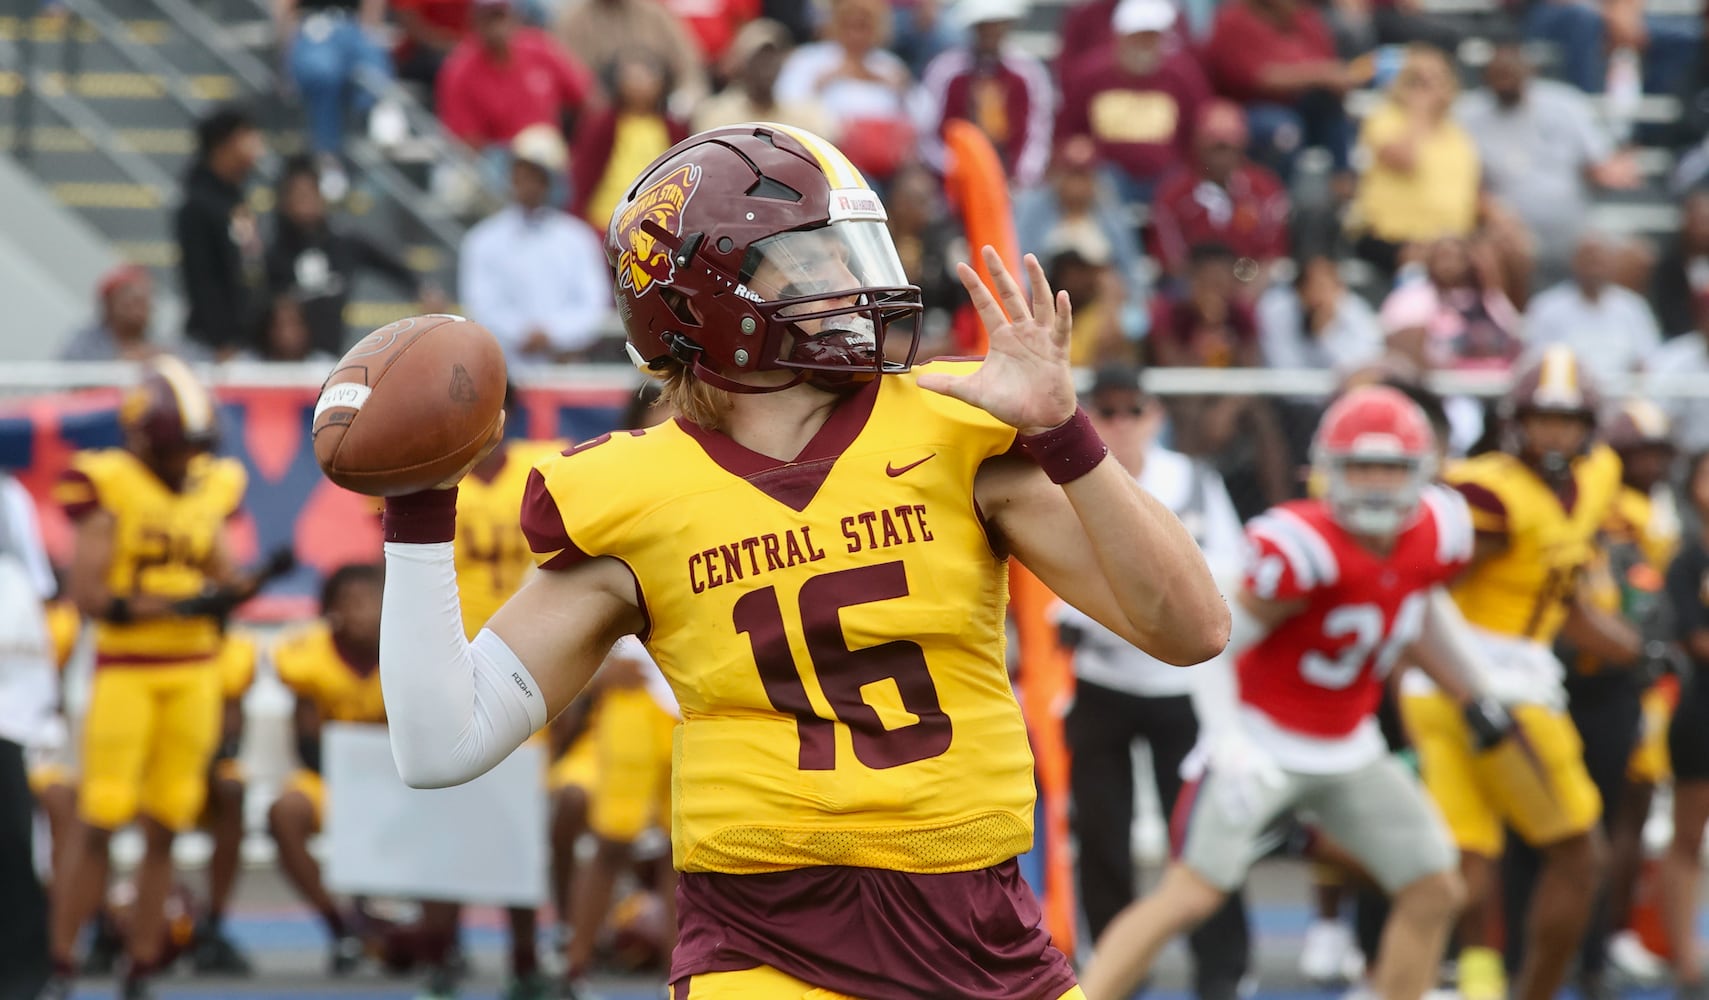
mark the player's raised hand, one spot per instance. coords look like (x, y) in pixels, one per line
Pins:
(1025, 380)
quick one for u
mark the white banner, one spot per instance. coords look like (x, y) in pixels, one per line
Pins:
(481, 842)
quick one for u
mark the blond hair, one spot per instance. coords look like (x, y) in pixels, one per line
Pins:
(690, 398)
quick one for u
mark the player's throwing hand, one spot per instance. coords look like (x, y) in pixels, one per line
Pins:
(1025, 381)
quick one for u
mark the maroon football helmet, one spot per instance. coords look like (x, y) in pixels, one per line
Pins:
(169, 417)
(757, 247)
(1557, 382)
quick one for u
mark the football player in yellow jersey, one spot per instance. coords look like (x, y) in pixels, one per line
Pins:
(330, 665)
(151, 568)
(1536, 504)
(814, 552)
(1638, 544)
(211, 951)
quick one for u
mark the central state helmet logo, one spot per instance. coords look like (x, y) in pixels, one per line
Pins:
(643, 261)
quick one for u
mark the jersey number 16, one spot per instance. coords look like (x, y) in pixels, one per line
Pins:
(843, 672)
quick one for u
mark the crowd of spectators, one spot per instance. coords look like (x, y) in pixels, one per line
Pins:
(1217, 182)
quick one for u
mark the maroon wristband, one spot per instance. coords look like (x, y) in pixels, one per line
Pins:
(1067, 452)
(428, 516)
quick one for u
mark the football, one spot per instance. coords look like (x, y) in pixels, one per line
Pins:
(410, 405)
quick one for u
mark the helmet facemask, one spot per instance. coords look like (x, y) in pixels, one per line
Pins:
(831, 299)
(1379, 508)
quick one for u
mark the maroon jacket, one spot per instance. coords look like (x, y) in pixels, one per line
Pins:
(1141, 123)
(1249, 215)
(1012, 100)
(593, 152)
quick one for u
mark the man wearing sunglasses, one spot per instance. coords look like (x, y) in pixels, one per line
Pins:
(1124, 695)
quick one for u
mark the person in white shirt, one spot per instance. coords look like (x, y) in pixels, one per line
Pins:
(1687, 354)
(27, 718)
(1124, 696)
(1610, 328)
(1316, 322)
(533, 274)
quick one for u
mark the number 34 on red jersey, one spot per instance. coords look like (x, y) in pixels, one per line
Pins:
(1321, 671)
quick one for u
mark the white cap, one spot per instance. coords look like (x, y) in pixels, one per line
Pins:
(1134, 16)
(967, 13)
(543, 146)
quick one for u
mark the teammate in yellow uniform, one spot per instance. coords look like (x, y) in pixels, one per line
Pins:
(150, 567)
(211, 951)
(330, 666)
(1622, 714)
(492, 560)
(1536, 504)
(814, 552)
(52, 778)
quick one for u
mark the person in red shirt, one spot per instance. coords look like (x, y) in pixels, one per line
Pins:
(1221, 197)
(713, 23)
(1278, 59)
(505, 77)
(1136, 99)
(430, 30)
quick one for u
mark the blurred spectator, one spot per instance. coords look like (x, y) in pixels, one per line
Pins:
(793, 15)
(533, 275)
(860, 85)
(286, 335)
(1206, 325)
(713, 24)
(616, 143)
(428, 30)
(1086, 30)
(1365, 25)
(1420, 177)
(1455, 298)
(1220, 197)
(922, 32)
(1688, 137)
(1614, 44)
(599, 31)
(1077, 200)
(125, 300)
(1278, 59)
(316, 263)
(1137, 99)
(504, 78)
(1682, 277)
(995, 85)
(1542, 151)
(751, 65)
(1687, 354)
(221, 259)
(1081, 267)
(929, 241)
(1610, 328)
(1317, 322)
(333, 57)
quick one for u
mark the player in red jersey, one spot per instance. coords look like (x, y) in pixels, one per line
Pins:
(1337, 591)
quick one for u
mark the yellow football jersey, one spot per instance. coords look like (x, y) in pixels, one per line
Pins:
(64, 627)
(491, 554)
(1523, 591)
(163, 544)
(236, 662)
(310, 664)
(1632, 522)
(832, 628)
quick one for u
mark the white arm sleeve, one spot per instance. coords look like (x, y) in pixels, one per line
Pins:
(1446, 628)
(454, 708)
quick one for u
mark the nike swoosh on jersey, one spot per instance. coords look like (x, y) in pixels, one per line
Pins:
(892, 471)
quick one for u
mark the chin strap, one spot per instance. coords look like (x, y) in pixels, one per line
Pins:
(720, 381)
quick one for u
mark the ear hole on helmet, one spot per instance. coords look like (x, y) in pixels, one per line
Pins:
(765, 187)
(680, 307)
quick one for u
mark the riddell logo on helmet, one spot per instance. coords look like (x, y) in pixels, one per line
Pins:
(643, 261)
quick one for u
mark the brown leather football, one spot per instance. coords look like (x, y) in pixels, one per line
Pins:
(409, 405)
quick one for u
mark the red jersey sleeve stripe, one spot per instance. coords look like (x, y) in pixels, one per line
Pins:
(543, 526)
